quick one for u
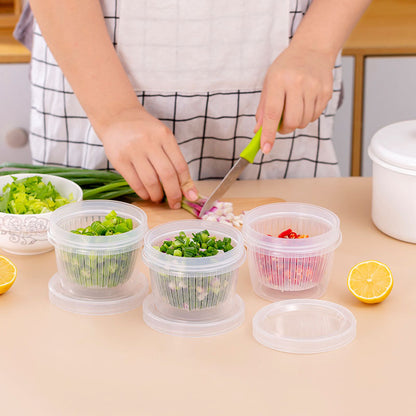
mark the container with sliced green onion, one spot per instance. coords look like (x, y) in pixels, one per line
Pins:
(193, 267)
(96, 243)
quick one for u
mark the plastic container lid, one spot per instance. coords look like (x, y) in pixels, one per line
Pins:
(130, 296)
(304, 326)
(395, 145)
(193, 328)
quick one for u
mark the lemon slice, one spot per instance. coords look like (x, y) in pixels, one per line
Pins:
(7, 274)
(370, 281)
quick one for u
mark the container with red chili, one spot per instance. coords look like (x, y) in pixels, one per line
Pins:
(290, 248)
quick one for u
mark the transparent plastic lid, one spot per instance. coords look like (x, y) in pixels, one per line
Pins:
(204, 327)
(126, 298)
(304, 326)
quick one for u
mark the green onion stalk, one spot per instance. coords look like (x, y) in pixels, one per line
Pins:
(95, 183)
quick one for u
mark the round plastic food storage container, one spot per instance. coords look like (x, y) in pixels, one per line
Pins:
(27, 233)
(393, 152)
(193, 296)
(286, 268)
(96, 274)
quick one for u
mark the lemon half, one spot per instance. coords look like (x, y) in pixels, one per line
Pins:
(370, 281)
(7, 274)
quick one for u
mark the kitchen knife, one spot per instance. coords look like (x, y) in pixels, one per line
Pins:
(246, 156)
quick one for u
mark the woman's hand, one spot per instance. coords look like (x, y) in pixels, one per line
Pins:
(296, 90)
(298, 84)
(139, 146)
(145, 152)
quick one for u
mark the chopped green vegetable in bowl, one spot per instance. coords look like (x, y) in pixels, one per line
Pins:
(26, 203)
(31, 195)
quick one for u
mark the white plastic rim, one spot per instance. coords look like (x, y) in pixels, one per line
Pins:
(394, 146)
(325, 241)
(59, 235)
(220, 263)
(389, 166)
(131, 298)
(203, 328)
(304, 326)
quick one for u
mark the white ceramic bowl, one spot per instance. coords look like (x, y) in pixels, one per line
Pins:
(393, 152)
(27, 234)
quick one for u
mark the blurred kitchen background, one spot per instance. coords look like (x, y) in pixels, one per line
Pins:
(379, 61)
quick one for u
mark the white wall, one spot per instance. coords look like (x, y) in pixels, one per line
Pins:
(389, 97)
(14, 109)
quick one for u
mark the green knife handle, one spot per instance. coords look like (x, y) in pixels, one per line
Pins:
(251, 150)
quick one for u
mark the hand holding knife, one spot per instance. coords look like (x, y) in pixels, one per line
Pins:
(246, 156)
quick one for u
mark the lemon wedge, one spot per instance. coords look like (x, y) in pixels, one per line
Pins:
(370, 281)
(7, 274)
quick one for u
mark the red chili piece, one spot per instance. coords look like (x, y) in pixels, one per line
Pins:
(285, 234)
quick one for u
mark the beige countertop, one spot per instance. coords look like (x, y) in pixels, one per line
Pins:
(59, 363)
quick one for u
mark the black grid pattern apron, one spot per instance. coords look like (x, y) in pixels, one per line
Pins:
(211, 127)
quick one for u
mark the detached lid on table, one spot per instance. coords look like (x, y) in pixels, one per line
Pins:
(304, 326)
(395, 146)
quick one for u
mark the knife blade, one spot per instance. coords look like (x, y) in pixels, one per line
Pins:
(246, 156)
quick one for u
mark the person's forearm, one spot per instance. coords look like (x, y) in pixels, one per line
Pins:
(327, 25)
(77, 36)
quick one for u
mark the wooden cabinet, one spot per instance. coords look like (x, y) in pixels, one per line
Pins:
(9, 12)
(387, 29)
(11, 51)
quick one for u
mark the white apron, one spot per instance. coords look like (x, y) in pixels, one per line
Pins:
(199, 68)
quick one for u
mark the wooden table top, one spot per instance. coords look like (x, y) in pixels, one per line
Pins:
(60, 363)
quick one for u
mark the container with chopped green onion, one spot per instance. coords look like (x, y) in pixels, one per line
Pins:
(193, 265)
(97, 243)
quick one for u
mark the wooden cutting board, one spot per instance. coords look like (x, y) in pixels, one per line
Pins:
(161, 213)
